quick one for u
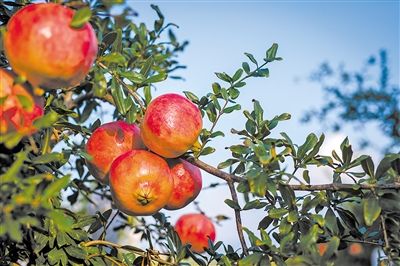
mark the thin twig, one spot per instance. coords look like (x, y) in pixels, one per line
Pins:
(153, 254)
(107, 257)
(238, 219)
(132, 93)
(362, 242)
(385, 237)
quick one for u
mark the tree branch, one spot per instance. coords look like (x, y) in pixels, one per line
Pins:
(331, 187)
(238, 219)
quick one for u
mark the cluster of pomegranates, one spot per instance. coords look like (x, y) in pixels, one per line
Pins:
(142, 168)
(140, 165)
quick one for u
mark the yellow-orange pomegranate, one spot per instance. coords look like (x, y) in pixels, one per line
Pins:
(140, 182)
(41, 46)
(109, 141)
(171, 125)
(195, 229)
(19, 108)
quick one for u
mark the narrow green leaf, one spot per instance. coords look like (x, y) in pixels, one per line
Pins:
(80, 17)
(368, 166)
(48, 157)
(237, 75)
(207, 150)
(156, 78)
(232, 108)
(54, 188)
(277, 213)
(371, 210)
(252, 59)
(306, 176)
(12, 172)
(271, 52)
(234, 205)
(246, 67)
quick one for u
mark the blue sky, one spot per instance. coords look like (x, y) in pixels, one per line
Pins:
(308, 33)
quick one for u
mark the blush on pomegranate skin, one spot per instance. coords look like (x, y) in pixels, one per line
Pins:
(42, 47)
(19, 108)
(195, 229)
(140, 182)
(171, 125)
(109, 141)
(187, 183)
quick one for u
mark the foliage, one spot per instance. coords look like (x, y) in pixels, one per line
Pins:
(360, 97)
(40, 227)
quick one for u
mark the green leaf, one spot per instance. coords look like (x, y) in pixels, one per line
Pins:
(147, 66)
(385, 164)
(252, 59)
(116, 58)
(234, 93)
(277, 213)
(234, 205)
(368, 166)
(223, 76)
(48, 157)
(191, 96)
(76, 252)
(63, 239)
(230, 109)
(331, 221)
(81, 17)
(246, 67)
(292, 217)
(54, 256)
(133, 76)
(255, 204)
(156, 78)
(216, 87)
(12, 172)
(207, 150)
(119, 97)
(252, 259)
(227, 163)
(306, 176)
(371, 210)
(333, 245)
(237, 75)
(309, 144)
(271, 52)
(54, 188)
(315, 149)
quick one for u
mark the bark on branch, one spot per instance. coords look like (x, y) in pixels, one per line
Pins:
(331, 187)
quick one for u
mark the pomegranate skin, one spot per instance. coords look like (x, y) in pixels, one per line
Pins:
(42, 47)
(194, 229)
(171, 125)
(19, 108)
(109, 141)
(187, 184)
(140, 182)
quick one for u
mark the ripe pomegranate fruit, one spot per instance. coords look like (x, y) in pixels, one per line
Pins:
(171, 125)
(42, 47)
(195, 229)
(18, 107)
(140, 182)
(187, 184)
(109, 141)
